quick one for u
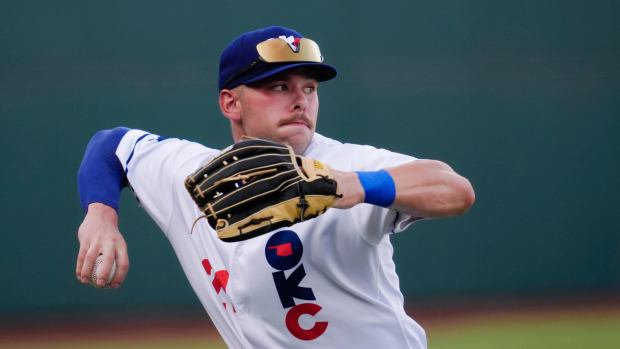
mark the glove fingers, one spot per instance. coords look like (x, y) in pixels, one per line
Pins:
(244, 150)
(245, 194)
(216, 186)
(237, 151)
(242, 166)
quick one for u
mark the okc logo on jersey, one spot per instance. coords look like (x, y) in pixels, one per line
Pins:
(283, 252)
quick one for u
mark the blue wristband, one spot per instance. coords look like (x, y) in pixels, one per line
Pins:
(101, 177)
(378, 186)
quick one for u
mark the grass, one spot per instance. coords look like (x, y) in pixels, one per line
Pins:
(598, 329)
(123, 344)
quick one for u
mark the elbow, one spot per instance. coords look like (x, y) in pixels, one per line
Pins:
(465, 196)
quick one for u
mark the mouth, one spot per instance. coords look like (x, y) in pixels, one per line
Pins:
(296, 122)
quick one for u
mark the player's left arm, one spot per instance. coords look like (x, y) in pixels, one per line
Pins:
(421, 188)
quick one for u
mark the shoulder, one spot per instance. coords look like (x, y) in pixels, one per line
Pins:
(322, 146)
(351, 156)
(138, 146)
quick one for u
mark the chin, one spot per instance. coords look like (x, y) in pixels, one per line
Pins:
(299, 139)
(299, 142)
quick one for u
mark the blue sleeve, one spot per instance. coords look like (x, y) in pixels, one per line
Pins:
(101, 177)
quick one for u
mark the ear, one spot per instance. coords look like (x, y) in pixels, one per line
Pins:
(229, 104)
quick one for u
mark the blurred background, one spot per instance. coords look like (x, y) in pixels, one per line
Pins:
(523, 98)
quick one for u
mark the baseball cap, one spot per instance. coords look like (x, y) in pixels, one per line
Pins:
(261, 53)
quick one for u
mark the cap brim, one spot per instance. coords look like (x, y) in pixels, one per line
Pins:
(323, 71)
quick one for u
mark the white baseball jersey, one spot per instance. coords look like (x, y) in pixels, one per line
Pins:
(329, 282)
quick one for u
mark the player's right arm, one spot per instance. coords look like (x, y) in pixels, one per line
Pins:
(154, 166)
(101, 179)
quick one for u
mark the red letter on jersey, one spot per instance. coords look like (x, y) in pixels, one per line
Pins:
(282, 250)
(292, 322)
(220, 280)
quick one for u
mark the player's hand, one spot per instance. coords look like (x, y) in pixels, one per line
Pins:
(349, 187)
(99, 234)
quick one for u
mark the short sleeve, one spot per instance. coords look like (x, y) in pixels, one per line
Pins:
(156, 166)
(373, 221)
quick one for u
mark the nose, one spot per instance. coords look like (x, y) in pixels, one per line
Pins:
(300, 99)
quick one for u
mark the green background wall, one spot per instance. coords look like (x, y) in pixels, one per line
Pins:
(521, 97)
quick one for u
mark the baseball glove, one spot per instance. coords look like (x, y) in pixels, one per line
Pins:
(256, 186)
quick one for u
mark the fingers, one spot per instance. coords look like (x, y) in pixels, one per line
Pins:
(110, 254)
(116, 255)
(99, 235)
(87, 266)
(104, 270)
(84, 260)
(80, 261)
(122, 266)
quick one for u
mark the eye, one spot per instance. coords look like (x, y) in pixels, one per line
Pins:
(310, 86)
(278, 87)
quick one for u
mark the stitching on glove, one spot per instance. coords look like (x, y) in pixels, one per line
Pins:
(245, 177)
(303, 203)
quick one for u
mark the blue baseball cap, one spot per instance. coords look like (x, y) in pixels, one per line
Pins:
(241, 63)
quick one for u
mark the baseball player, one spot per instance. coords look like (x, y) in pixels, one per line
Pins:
(326, 282)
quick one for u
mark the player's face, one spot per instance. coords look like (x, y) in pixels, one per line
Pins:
(283, 108)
